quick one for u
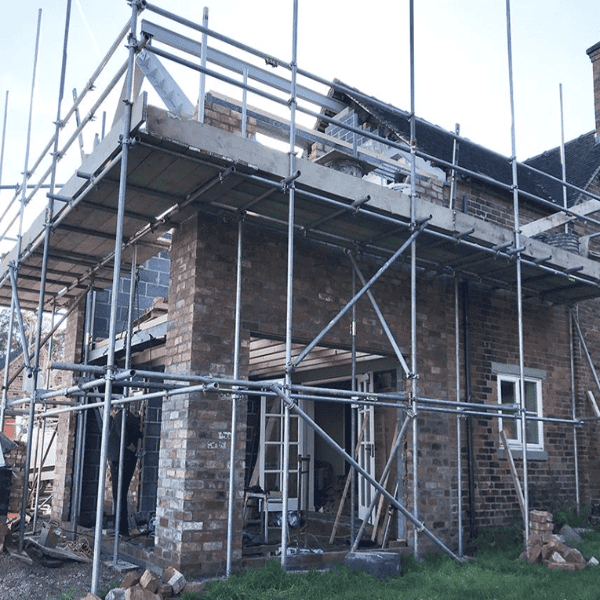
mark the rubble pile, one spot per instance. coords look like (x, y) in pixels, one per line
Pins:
(147, 586)
(549, 548)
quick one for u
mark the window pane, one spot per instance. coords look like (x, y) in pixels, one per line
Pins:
(507, 392)
(271, 482)
(274, 429)
(293, 464)
(274, 406)
(272, 460)
(532, 432)
(508, 396)
(293, 427)
(510, 428)
(531, 396)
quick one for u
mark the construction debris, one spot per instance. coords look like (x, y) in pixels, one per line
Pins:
(549, 548)
(136, 585)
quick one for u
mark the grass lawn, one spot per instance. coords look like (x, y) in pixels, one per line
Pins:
(496, 573)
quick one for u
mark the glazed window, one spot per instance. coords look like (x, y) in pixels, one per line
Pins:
(509, 394)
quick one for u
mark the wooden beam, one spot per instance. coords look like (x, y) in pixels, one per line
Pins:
(513, 472)
(559, 218)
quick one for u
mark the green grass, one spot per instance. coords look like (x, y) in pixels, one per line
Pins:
(496, 573)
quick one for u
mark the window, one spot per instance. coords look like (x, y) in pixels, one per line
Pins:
(509, 394)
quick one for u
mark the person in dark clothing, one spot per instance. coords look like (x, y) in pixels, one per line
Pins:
(132, 435)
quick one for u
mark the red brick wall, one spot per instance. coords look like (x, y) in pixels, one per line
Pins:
(195, 444)
(490, 205)
(65, 438)
(546, 346)
(200, 341)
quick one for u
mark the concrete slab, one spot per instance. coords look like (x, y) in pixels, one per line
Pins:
(378, 563)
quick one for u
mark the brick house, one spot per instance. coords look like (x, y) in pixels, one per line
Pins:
(353, 204)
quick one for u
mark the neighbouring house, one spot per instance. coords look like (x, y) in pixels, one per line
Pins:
(224, 198)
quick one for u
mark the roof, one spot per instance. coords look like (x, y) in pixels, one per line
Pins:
(582, 154)
(582, 162)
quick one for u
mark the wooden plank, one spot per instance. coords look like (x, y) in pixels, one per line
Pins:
(559, 218)
(382, 498)
(61, 553)
(349, 478)
(513, 472)
(592, 400)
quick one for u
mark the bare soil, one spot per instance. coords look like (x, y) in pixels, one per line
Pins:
(70, 581)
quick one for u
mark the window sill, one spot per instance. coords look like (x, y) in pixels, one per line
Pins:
(518, 453)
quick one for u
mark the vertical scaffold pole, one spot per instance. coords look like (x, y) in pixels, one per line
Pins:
(3, 136)
(353, 418)
(563, 162)
(124, 409)
(290, 291)
(202, 88)
(413, 280)
(81, 419)
(12, 307)
(458, 420)
(15, 288)
(235, 398)
(574, 411)
(517, 238)
(47, 233)
(110, 366)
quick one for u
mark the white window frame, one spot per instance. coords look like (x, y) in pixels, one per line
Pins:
(517, 443)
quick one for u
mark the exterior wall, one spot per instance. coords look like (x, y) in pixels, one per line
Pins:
(494, 338)
(194, 455)
(486, 203)
(193, 466)
(192, 470)
(588, 436)
(65, 435)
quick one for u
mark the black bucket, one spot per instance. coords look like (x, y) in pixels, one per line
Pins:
(5, 484)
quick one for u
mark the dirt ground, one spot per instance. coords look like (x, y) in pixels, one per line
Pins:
(72, 580)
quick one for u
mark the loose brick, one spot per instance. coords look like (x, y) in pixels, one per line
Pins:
(165, 591)
(132, 578)
(195, 587)
(139, 593)
(540, 516)
(149, 582)
(534, 552)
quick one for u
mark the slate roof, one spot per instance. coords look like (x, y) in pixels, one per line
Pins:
(582, 163)
(582, 154)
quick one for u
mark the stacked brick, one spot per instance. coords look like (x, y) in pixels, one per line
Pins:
(218, 115)
(544, 545)
(16, 460)
(147, 586)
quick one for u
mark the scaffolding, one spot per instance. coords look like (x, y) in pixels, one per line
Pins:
(59, 260)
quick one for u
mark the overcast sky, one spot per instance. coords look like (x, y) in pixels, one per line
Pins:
(461, 59)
